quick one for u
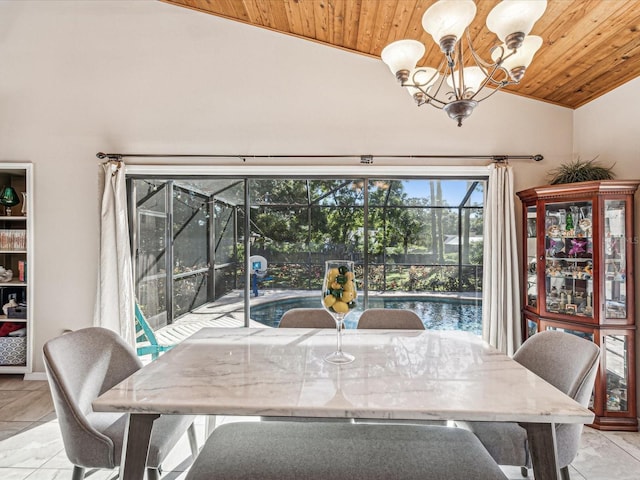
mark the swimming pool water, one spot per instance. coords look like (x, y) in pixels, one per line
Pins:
(436, 313)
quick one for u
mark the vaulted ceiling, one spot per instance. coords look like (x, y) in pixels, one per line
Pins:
(590, 46)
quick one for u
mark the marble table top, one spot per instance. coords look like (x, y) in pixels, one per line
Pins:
(397, 374)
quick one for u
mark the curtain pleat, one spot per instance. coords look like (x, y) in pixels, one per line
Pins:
(115, 296)
(501, 325)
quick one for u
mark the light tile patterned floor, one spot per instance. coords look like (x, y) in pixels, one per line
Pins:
(31, 447)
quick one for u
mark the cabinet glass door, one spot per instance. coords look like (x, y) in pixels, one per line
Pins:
(615, 268)
(569, 258)
(615, 352)
(532, 327)
(532, 258)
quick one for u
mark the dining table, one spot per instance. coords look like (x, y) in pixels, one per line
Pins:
(406, 375)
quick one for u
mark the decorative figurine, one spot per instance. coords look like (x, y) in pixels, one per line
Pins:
(554, 231)
(588, 270)
(585, 226)
(569, 228)
(5, 275)
(10, 304)
(577, 246)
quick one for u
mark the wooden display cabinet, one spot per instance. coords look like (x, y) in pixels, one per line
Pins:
(578, 256)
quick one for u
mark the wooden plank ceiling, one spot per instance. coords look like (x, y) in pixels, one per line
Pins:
(590, 46)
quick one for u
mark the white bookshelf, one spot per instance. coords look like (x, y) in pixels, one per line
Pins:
(20, 177)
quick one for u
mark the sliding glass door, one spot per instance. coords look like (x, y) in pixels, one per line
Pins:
(190, 235)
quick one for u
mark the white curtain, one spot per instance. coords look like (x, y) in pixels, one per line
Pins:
(115, 297)
(501, 323)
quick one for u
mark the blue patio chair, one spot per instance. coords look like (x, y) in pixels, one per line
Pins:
(146, 341)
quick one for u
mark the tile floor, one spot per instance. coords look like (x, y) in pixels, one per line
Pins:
(31, 447)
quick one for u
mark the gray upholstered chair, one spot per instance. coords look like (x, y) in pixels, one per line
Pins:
(338, 451)
(567, 362)
(307, 318)
(390, 318)
(82, 365)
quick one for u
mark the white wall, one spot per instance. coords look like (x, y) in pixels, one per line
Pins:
(608, 128)
(80, 77)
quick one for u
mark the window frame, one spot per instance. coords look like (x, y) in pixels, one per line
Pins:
(480, 173)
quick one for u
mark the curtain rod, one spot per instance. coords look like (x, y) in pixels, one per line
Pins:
(366, 159)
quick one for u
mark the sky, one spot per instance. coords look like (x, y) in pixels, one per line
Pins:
(452, 190)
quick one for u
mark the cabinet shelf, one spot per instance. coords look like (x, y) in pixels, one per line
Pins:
(582, 281)
(569, 237)
(569, 277)
(4, 318)
(570, 259)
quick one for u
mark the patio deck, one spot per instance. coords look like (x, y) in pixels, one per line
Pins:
(228, 311)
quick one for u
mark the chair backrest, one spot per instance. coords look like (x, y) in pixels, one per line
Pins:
(390, 318)
(80, 366)
(307, 318)
(146, 341)
(570, 364)
(143, 330)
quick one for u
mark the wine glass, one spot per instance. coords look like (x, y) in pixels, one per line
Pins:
(338, 298)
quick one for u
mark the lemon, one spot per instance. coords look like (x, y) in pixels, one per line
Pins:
(348, 295)
(333, 273)
(336, 286)
(340, 307)
(329, 300)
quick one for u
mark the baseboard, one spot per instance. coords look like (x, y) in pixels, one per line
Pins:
(36, 376)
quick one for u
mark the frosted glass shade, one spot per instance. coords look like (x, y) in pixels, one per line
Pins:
(511, 16)
(448, 18)
(524, 55)
(402, 55)
(473, 78)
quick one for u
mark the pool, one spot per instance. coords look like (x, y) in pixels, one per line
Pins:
(436, 313)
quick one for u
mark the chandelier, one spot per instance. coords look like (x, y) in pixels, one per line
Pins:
(454, 86)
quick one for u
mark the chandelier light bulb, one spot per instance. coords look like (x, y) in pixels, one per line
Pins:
(517, 63)
(512, 20)
(472, 79)
(402, 56)
(446, 21)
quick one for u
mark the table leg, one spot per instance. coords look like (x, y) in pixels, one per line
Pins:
(544, 454)
(136, 445)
